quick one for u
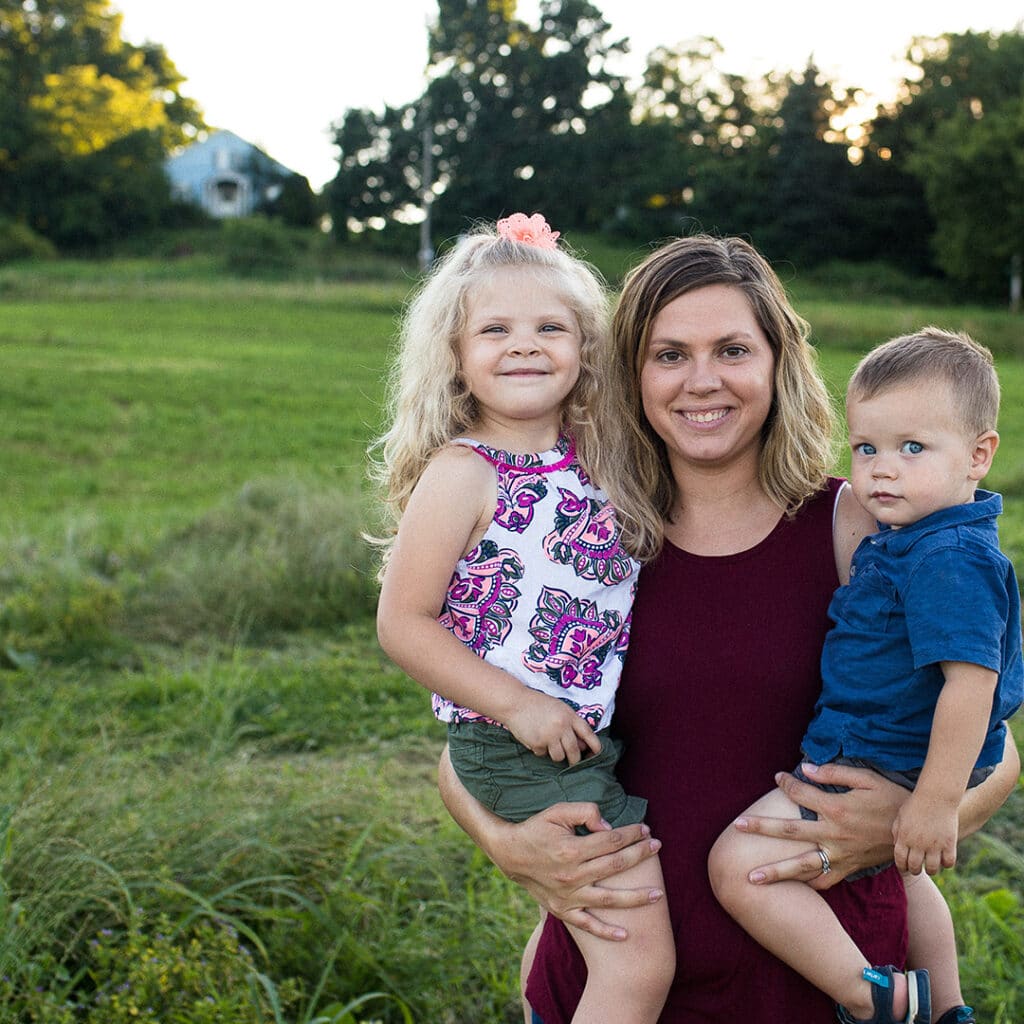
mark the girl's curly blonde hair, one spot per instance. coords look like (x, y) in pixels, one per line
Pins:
(428, 404)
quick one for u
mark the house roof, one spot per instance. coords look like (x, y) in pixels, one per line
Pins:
(221, 150)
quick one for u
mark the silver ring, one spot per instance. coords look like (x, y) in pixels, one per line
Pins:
(826, 865)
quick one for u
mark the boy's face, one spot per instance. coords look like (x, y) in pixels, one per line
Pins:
(910, 454)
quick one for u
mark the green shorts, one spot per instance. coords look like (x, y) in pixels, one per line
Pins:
(515, 783)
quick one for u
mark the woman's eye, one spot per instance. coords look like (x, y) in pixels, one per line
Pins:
(864, 449)
(669, 355)
(912, 448)
(734, 351)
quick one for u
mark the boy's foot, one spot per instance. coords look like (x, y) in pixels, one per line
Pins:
(919, 999)
(958, 1015)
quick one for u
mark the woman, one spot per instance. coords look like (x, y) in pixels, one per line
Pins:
(732, 432)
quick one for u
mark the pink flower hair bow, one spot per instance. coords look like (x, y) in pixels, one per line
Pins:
(528, 231)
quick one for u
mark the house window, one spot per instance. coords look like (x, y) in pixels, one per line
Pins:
(227, 191)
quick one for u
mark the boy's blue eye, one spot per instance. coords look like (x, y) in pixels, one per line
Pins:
(912, 448)
(864, 449)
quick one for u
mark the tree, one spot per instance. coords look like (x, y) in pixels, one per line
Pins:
(751, 157)
(958, 80)
(503, 111)
(84, 117)
(806, 214)
(705, 140)
(972, 170)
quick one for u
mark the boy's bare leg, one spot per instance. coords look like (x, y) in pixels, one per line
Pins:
(932, 941)
(789, 918)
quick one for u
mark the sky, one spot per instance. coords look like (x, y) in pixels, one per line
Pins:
(280, 74)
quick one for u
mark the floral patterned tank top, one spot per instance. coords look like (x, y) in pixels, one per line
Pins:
(546, 594)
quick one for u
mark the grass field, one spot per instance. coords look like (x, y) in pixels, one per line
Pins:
(217, 798)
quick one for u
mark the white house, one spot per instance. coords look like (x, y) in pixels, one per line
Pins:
(225, 175)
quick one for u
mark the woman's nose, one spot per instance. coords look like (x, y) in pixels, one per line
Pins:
(703, 378)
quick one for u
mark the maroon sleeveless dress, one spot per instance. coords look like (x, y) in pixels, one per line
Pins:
(719, 684)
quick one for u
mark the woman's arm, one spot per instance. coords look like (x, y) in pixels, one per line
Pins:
(851, 525)
(855, 828)
(981, 802)
(561, 870)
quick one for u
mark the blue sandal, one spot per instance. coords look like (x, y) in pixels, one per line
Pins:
(919, 999)
(958, 1015)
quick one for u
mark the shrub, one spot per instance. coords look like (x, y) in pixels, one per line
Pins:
(148, 971)
(256, 246)
(20, 242)
(54, 606)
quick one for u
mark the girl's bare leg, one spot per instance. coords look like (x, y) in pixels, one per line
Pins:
(628, 981)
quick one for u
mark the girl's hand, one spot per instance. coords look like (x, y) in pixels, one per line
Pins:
(854, 828)
(550, 728)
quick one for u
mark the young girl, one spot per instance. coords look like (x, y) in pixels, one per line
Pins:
(508, 586)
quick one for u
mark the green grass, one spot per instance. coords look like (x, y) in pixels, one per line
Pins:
(205, 762)
(137, 399)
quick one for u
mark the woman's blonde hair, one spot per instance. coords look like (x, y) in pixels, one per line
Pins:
(427, 400)
(797, 438)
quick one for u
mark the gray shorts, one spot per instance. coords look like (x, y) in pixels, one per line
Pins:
(907, 779)
(515, 783)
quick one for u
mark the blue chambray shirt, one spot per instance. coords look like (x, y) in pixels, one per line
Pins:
(937, 590)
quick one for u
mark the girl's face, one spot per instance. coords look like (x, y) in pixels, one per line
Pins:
(519, 353)
(708, 378)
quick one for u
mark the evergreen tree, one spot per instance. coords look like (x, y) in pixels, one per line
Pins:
(806, 216)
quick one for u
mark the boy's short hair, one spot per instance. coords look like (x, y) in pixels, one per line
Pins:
(935, 354)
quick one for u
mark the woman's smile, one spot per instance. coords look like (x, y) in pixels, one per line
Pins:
(704, 416)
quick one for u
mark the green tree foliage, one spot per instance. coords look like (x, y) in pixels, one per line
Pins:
(979, 214)
(958, 81)
(806, 213)
(530, 118)
(505, 116)
(758, 157)
(968, 152)
(85, 119)
(706, 137)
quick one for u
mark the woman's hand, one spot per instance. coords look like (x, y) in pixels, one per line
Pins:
(854, 828)
(563, 871)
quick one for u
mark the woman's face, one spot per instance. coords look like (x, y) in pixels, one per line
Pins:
(708, 377)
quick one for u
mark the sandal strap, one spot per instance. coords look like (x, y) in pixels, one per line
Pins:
(958, 1015)
(919, 1004)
